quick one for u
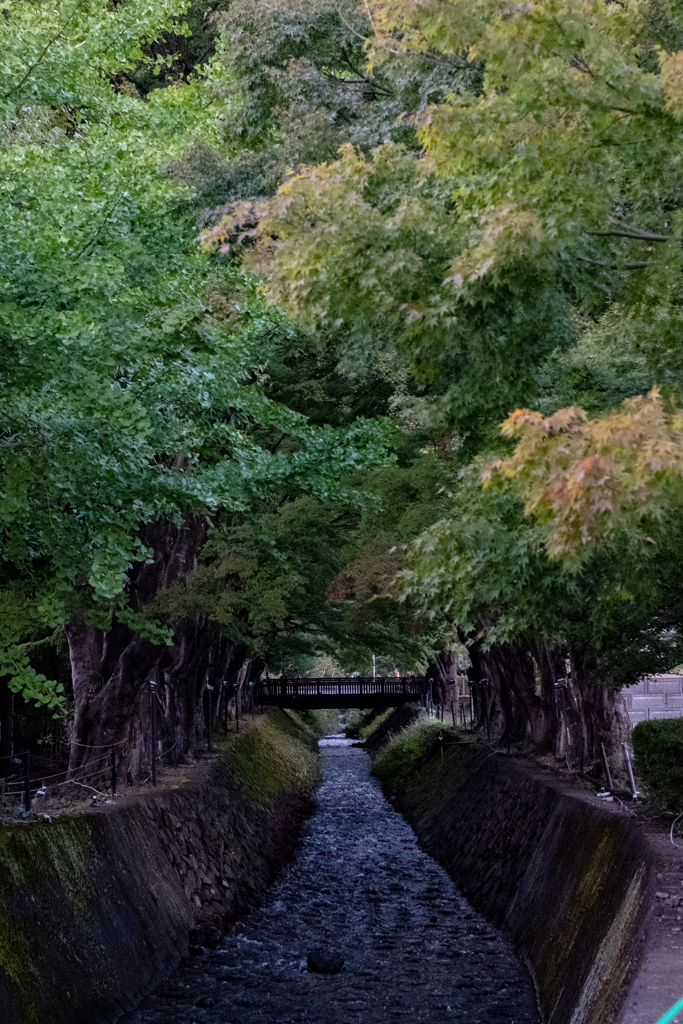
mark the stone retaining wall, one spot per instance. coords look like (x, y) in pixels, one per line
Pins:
(95, 907)
(566, 878)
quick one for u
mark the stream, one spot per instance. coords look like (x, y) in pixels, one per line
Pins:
(360, 890)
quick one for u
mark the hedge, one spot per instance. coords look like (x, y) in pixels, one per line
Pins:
(658, 748)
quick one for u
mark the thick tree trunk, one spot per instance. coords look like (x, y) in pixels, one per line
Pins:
(243, 670)
(547, 696)
(442, 671)
(599, 713)
(510, 694)
(111, 670)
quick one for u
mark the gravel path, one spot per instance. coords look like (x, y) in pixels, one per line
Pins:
(361, 888)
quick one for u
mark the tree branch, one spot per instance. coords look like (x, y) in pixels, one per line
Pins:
(47, 46)
(622, 230)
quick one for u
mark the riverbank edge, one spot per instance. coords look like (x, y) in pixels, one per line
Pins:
(570, 882)
(96, 907)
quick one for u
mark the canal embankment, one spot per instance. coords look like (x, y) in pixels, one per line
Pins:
(504, 889)
(363, 927)
(96, 907)
(569, 879)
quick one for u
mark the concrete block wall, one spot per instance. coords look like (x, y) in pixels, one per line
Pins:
(659, 696)
(569, 880)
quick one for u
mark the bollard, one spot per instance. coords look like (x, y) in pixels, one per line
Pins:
(627, 755)
(605, 764)
(27, 782)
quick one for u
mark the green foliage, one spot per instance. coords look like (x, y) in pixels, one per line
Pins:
(323, 721)
(299, 87)
(658, 748)
(404, 755)
(530, 254)
(496, 224)
(602, 369)
(360, 723)
(131, 366)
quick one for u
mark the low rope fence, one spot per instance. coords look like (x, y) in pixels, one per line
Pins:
(26, 786)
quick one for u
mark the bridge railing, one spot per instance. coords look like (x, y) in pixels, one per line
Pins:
(354, 686)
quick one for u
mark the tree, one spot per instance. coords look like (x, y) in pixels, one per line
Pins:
(539, 220)
(297, 87)
(132, 380)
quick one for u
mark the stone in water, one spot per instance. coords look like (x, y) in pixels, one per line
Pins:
(321, 961)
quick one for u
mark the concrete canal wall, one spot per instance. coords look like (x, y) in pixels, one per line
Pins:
(568, 880)
(95, 907)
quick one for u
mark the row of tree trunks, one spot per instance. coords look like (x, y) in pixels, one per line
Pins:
(550, 697)
(111, 670)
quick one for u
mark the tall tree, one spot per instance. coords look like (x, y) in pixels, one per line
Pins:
(131, 379)
(543, 200)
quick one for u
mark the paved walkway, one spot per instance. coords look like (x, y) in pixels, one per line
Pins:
(361, 888)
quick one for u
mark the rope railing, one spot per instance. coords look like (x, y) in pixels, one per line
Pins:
(18, 785)
(21, 785)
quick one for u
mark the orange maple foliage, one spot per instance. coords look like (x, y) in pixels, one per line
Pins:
(590, 481)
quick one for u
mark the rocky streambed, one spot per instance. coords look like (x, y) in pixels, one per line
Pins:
(363, 897)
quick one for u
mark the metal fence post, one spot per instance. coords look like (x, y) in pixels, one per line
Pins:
(27, 782)
(152, 696)
(113, 772)
(209, 690)
(605, 764)
(483, 687)
(627, 755)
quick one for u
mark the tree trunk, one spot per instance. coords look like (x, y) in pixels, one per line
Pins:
(523, 692)
(506, 697)
(600, 712)
(6, 728)
(442, 671)
(111, 669)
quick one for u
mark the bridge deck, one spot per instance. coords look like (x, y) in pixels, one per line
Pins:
(353, 691)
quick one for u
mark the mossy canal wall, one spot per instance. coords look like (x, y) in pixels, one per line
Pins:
(97, 906)
(567, 879)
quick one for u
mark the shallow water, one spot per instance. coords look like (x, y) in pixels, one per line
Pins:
(360, 887)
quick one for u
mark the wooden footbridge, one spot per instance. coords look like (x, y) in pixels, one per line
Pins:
(350, 692)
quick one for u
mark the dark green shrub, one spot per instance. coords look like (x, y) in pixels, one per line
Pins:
(658, 746)
(404, 756)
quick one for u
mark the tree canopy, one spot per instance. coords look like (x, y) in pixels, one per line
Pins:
(521, 250)
(131, 363)
(284, 272)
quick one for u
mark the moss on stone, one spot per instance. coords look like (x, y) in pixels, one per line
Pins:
(400, 762)
(16, 965)
(279, 755)
(565, 878)
(94, 907)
